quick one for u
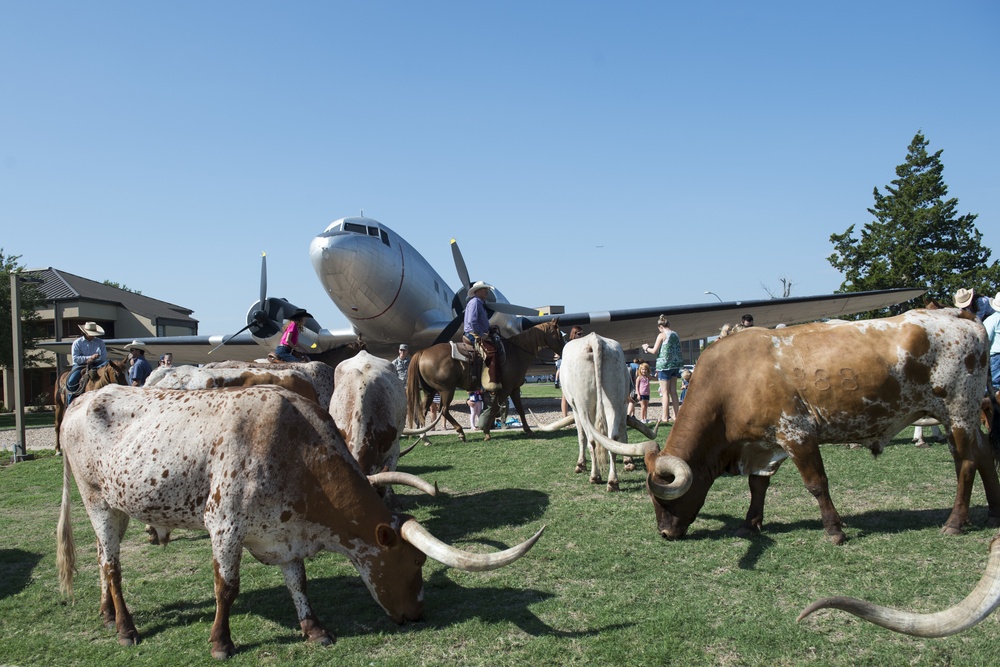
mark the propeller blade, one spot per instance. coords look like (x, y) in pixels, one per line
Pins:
(263, 280)
(449, 330)
(511, 309)
(463, 272)
(230, 338)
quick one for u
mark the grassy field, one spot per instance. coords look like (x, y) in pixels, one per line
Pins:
(600, 588)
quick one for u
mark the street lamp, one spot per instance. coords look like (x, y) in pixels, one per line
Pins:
(20, 448)
(715, 295)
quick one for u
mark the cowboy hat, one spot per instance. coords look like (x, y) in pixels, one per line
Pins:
(478, 285)
(299, 312)
(91, 329)
(404, 346)
(995, 302)
(963, 298)
(136, 344)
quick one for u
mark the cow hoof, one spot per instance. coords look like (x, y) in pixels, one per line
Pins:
(131, 639)
(486, 438)
(629, 467)
(224, 651)
(950, 530)
(596, 480)
(838, 539)
(613, 486)
(580, 468)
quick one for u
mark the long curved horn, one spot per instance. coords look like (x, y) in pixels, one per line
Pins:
(405, 478)
(623, 448)
(420, 537)
(421, 430)
(555, 426)
(668, 465)
(409, 449)
(980, 603)
(634, 423)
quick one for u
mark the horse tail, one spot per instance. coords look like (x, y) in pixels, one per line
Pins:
(413, 383)
(65, 547)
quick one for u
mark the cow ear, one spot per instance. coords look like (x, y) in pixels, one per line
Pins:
(385, 535)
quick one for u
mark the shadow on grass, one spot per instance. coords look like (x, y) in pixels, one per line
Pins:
(453, 517)
(17, 566)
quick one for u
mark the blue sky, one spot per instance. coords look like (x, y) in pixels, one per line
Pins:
(593, 155)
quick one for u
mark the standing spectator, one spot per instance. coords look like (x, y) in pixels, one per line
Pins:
(992, 325)
(87, 350)
(669, 361)
(633, 398)
(642, 390)
(475, 403)
(140, 369)
(574, 333)
(746, 321)
(685, 381)
(402, 362)
(978, 305)
(167, 360)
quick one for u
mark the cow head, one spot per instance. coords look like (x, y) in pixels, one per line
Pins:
(392, 565)
(392, 569)
(676, 505)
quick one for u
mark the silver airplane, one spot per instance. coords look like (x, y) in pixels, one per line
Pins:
(390, 295)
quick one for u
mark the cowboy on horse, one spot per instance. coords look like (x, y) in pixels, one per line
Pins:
(88, 353)
(485, 342)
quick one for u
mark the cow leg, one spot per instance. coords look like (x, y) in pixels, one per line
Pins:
(810, 465)
(110, 530)
(755, 515)
(516, 397)
(971, 455)
(227, 549)
(612, 473)
(581, 461)
(595, 465)
(295, 580)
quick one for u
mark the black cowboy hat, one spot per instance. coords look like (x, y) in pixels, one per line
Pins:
(299, 312)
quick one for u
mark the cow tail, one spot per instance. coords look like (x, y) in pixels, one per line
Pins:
(600, 414)
(994, 419)
(413, 382)
(65, 547)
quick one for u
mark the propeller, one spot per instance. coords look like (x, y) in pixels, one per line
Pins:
(462, 299)
(265, 316)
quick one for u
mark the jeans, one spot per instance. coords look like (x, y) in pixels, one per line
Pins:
(995, 370)
(284, 352)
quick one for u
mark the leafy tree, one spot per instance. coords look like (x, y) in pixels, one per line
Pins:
(915, 240)
(111, 283)
(31, 300)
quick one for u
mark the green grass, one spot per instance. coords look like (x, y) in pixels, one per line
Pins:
(30, 419)
(600, 588)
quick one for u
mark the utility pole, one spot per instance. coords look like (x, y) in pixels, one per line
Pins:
(20, 447)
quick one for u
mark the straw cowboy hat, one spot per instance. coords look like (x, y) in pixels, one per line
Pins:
(478, 285)
(963, 298)
(995, 302)
(136, 344)
(92, 329)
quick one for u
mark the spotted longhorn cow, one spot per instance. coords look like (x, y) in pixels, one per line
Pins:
(314, 380)
(260, 468)
(369, 408)
(595, 382)
(766, 395)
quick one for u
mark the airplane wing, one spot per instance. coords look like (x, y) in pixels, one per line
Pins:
(634, 327)
(196, 349)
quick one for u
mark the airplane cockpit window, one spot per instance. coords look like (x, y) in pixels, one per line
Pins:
(373, 231)
(385, 236)
(355, 227)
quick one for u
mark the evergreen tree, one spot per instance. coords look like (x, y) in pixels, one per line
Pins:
(915, 240)
(31, 300)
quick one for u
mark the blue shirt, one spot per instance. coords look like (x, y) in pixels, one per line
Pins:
(476, 321)
(992, 325)
(83, 348)
(982, 308)
(140, 371)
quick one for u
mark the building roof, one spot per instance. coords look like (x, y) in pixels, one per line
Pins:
(63, 286)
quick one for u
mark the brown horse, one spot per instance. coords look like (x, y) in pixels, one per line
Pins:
(434, 370)
(113, 372)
